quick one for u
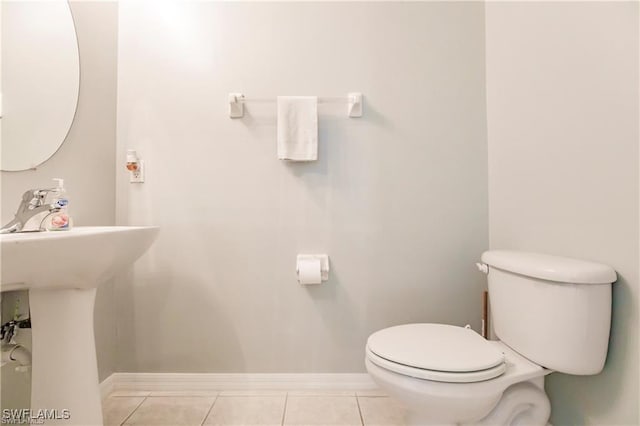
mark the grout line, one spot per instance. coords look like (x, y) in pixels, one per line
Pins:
(215, 399)
(134, 410)
(359, 410)
(284, 412)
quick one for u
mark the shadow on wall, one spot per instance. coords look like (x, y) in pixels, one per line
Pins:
(335, 168)
(203, 334)
(334, 130)
(337, 308)
(562, 388)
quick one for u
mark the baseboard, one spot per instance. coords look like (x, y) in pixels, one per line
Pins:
(216, 382)
(106, 386)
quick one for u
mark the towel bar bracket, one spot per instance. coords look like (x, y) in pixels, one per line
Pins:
(355, 104)
(236, 105)
(353, 100)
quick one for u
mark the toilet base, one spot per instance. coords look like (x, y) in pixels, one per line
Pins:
(436, 403)
(521, 404)
(518, 399)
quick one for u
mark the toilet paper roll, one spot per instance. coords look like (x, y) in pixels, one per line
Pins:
(309, 271)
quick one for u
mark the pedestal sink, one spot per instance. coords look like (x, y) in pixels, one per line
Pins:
(62, 271)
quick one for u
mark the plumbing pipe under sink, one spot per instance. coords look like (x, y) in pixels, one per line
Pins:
(20, 354)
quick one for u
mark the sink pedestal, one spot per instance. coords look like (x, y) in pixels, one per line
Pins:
(62, 271)
(64, 366)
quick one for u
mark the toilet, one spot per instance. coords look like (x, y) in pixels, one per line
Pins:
(550, 314)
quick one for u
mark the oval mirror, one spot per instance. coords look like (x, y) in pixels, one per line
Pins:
(40, 80)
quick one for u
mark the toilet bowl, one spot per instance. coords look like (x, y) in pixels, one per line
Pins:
(541, 306)
(450, 375)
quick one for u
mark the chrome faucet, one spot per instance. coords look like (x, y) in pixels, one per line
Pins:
(31, 213)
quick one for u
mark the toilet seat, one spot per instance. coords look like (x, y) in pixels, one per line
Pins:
(436, 352)
(437, 376)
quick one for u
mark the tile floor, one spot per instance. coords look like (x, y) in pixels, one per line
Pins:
(367, 408)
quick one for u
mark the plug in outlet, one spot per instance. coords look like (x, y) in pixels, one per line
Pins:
(135, 167)
(137, 175)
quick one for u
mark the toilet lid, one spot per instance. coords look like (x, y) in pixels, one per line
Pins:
(438, 347)
(434, 375)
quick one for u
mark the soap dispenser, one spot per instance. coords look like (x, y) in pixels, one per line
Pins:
(60, 220)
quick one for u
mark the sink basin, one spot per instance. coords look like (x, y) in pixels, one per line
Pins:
(82, 257)
(62, 271)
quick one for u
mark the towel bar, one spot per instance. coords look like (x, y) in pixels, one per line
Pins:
(353, 100)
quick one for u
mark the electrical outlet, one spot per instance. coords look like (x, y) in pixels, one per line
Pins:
(137, 176)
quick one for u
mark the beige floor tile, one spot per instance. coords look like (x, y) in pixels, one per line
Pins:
(116, 410)
(247, 410)
(321, 392)
(382, 411)
(256, 392)
(371, 392)
(184, 393)
(119, 393)
(322, 410)
(171, 411)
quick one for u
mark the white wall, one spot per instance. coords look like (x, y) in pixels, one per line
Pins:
(86, 159)
(398, 198)
(562, 107)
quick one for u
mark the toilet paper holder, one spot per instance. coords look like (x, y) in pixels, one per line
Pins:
(324, 263)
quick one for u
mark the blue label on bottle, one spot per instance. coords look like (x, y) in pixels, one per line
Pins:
(62, 202)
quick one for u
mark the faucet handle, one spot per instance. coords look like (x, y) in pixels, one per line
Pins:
(29, 201)
(28, 196)
(35, 197)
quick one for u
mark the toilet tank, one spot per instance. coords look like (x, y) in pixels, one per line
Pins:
(555, 311)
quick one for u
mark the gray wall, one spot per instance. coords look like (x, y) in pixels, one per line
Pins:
(86, 160)
(397, 199)
(562, 107)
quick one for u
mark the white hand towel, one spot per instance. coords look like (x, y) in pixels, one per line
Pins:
(298, 128)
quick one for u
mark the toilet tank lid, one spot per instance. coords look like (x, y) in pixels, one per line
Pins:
(551, 268)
